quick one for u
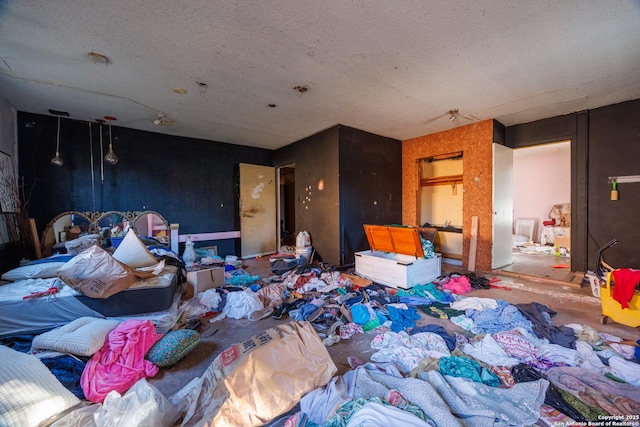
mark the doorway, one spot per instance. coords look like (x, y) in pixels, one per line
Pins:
(286, 205)
(541, 189)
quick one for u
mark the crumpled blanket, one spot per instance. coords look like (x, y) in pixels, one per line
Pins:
(457, 366)
(503, 318)
(407, 350)
(597, 390)
(540, 316)
(120, 363)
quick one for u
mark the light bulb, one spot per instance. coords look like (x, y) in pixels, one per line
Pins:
(57, 160)
(111, 157)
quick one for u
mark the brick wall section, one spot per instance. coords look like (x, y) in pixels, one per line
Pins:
(475, 141)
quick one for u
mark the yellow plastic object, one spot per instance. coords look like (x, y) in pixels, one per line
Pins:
(612, 308)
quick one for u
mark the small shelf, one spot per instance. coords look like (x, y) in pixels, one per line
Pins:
(441, 180)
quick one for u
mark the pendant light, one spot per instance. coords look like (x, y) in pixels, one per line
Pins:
(110, 157)
(57, 160)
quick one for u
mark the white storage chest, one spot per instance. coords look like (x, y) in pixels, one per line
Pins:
(396, 258)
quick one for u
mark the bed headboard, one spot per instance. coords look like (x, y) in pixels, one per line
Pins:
(68, 225)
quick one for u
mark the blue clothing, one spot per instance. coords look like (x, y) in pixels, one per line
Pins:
(401, 319)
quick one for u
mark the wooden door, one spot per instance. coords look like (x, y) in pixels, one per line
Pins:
(257, 210)
(501, 251)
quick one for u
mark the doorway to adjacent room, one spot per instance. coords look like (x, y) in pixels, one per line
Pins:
(541, 212)
(286, 205)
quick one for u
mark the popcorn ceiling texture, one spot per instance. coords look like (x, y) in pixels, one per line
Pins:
(475, 141)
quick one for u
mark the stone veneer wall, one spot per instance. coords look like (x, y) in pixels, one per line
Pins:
(475, 141)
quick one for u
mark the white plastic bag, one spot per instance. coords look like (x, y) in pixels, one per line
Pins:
(210, 298)
(142, 405)
(240, 304)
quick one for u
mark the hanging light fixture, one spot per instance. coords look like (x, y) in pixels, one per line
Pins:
(57, 160)
(110, 157)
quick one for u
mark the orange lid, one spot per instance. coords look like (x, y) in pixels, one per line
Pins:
(397, 239)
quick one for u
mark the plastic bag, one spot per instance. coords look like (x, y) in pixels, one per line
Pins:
(210, 298)
(240, 304)
(142, 405)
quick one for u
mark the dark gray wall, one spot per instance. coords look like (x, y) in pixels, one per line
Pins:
(317, 210)
(604, 142)
(361, 175)
(370, 186)
(614, 150)
(192, 182)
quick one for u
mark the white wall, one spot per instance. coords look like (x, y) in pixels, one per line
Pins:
(541, 179)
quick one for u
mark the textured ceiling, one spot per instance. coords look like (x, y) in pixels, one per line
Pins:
(393, 68)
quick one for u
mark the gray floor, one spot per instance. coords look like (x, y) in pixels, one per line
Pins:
(574, 304)
(541, 265)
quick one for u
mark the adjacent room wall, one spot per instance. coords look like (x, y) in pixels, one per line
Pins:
(475, 141)
(541, 179)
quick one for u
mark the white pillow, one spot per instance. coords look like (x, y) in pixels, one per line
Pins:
(82, 337)
(29, 392)
(42, 270)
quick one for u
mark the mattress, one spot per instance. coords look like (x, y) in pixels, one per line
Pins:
(145, 296)
(154, 298)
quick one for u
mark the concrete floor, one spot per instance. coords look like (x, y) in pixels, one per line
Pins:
(573, 303)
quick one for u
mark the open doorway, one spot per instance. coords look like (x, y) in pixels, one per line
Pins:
(286, 205)
(542, 211)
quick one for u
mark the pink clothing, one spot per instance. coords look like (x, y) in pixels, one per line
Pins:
(120, 362)
(458, 285)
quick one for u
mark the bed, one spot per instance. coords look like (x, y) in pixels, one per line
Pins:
(38, 300)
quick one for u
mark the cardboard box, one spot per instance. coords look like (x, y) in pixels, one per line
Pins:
(562, 242)
(202, 279)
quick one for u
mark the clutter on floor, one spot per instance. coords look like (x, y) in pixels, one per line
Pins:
(509, 364)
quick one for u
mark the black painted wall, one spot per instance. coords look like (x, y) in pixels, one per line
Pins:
(370, 186)
(345, 178)
(192, 182)
(614, 150)
(604, 142)
(316, 189)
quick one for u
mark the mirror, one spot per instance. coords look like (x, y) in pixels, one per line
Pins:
(152, 224)
(112, 227)
(65, 226)
(115, 223)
